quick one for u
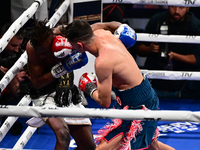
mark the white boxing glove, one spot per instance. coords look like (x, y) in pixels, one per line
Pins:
(126, 34)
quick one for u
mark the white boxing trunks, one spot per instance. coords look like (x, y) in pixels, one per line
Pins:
(48, 100)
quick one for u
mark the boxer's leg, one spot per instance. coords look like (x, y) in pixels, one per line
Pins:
(83, 136)
(61, 130)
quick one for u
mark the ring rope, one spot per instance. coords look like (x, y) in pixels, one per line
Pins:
(27, 134)
(8, 123)
(17, 24)
(171, 75)
(96, 113)
(58, 14)
(10, 74)
(184, 3)
(168, 38)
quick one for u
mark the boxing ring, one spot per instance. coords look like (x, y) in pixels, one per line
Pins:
(179, 124)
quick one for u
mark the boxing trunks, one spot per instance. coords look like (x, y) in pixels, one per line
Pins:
(136, 134)
(61, 93)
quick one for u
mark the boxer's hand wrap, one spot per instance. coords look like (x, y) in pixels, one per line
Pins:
(90, 88)
(73, 61)
(61, 47)
(127, 35)
(87, 83)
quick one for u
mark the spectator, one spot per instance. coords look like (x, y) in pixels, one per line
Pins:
(8, 57)
(177, 56)
(11, 94)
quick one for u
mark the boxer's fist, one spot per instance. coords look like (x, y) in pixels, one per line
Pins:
(73, 61)
(127, 35)
(61, 47)
(87, 83)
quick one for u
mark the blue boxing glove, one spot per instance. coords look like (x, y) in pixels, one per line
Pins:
(126, 34)
(73, 61)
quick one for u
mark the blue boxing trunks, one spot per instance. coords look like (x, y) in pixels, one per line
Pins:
(136, 134)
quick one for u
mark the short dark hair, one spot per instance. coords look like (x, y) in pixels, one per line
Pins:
(78, 30)
(39, 33)
(19, 34)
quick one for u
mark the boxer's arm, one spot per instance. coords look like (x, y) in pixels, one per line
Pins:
(104, 83)
(111, 26)
(36, 69)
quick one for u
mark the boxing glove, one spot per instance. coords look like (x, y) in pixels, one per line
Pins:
(61, 47)
(87, 83)
(126, 34)
(73, 61)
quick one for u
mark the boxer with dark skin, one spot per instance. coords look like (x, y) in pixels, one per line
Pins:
(40, 61)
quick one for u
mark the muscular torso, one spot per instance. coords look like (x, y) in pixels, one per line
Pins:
(117, 60)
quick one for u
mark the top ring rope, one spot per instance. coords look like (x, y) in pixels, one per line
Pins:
(17, 24)
(186, 3)
(23, 59)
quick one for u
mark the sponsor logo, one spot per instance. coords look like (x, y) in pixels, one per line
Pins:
(72, 60)
(179, 127)
(28, 136)
(28, 16)
(14, 31)
(22, 144)
(2, 86)
(15, 70)
(63, 42)
(50, 108)
(58, 13)
(1, 134)
(153, 35)
(115, 1)
(185, 74)
(7, 78)
(187, 2)
(191, 36)
(3, 106)
(152, 119)
(8, 39)
(129, 32)
(158, 74)
(7, 124)
(154, 1)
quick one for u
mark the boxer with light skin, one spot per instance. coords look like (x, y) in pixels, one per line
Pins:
(116, 68)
